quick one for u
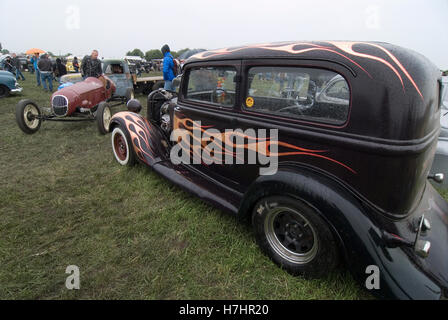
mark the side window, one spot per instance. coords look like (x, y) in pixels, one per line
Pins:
(215, 85)
(302, 93)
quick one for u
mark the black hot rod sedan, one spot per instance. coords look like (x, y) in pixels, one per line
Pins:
(325, 146)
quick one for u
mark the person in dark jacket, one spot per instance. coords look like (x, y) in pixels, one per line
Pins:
(59, 70)
(91, 66)
(168, 68)
(46, 72)
(16, 63)
(9, 65)
(76, 64)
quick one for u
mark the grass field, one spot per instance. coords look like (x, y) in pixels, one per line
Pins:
(65, 201)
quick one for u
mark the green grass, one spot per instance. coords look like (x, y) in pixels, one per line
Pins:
(65, 201)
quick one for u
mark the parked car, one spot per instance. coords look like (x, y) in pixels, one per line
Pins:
(69, 64)
(440, 163)
(84, 101)
(134, 62)
(118, 71)
(24, 62)
(327, 148)
(8, 84)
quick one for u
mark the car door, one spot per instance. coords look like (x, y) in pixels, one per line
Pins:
(283, 95)
(207, 100)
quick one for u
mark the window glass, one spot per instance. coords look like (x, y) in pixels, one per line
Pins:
(215, 85)
(304, 93)
(113, 68)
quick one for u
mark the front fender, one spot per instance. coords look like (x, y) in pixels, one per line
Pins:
(148, 142)
(357, 227)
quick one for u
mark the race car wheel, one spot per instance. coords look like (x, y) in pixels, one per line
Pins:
(4, 91)
(129, 94)
(293, 235)
(28, 116)
(120, 145)
(103, 117)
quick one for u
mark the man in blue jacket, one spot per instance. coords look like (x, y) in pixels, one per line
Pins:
(168, 68)
(34, 60)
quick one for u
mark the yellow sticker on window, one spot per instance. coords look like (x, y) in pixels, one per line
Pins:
(249, 102)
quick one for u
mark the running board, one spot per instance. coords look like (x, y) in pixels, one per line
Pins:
(210, 191)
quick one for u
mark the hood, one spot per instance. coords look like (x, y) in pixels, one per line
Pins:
(6, 73)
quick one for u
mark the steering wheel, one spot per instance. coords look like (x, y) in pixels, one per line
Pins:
(214, 95)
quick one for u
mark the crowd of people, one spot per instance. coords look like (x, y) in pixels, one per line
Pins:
(48, 71)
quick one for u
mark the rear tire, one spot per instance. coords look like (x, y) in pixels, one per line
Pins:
(129, 94)
(28, 116)
(103, 117)
(121, 147)
(293, 235)
(4, 91)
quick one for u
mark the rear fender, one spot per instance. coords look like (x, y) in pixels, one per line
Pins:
(354, 224)
(148, 142)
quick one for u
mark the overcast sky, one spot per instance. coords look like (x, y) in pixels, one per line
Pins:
(117, 26)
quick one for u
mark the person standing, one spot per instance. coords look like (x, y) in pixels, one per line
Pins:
(59, 70)
(9, 65)
(91, 66)
(35, 60)
(75, 64)
(168, 68)
(46, 70)
(16, 63)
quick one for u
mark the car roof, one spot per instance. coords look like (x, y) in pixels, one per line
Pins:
(113, 60)
(393, 88)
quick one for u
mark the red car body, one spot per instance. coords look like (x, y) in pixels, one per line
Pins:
(82, 95)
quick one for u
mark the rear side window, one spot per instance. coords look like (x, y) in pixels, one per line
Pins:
(213, 85)
(303, 93)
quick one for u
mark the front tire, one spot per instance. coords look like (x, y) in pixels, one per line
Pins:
(293, 235)
(103, 117)
(28, 116)
(121, 147)
(4, 91)
(129, 94)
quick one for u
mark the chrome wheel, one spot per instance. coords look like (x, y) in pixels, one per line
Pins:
(290, 234)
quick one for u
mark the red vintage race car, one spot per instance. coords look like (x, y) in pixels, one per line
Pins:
(83, 101)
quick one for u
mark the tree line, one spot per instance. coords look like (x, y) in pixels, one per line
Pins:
(154, 53)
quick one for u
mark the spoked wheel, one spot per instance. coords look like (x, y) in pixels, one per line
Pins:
(28, 116)
(120, 145)
(294, 236)
(103, 117)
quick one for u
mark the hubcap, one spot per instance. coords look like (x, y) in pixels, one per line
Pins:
(291, 235)
(30, 114)
(120, 147)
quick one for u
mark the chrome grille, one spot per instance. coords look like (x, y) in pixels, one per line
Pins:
(59, 104)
